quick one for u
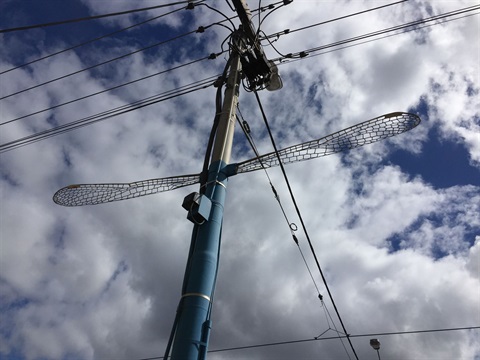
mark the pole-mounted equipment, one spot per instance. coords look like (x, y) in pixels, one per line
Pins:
(191, 329)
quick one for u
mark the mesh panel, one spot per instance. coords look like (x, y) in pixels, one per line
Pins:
(367, 132)
(91, 194)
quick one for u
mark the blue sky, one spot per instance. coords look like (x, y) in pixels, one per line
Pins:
(395, 224)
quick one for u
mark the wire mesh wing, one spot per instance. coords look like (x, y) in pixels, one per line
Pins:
(91, 194)
(367, 132)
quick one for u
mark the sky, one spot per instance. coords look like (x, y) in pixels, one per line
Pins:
(394, 224)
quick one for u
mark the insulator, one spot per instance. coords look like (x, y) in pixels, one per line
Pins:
(246, 126)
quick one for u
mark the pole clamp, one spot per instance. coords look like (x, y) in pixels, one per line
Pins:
(197, 294)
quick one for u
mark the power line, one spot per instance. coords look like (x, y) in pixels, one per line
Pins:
(97, 65)
(290, 60)
(246, 129)
(201, 29)
(146, 77)
(30, 139)
(62, 22)
(344, 336)
(106, 90)
(90, 41)
(288, 57)
(412, 24)
(303, 223)
(331, 20)
(299, 341)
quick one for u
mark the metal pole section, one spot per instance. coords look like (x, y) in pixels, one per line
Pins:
(193, 326)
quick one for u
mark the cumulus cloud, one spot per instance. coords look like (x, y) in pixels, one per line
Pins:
(398, 252)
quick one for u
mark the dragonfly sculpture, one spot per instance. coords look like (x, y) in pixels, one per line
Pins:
(367, 132)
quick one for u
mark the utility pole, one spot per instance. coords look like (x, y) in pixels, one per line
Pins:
(191, 328)
(192, 325)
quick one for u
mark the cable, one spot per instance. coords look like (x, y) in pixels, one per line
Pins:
(290, 60)
(302, 222)
(260, 21)
(221, 13)
(201, 29)
(97, 65)
(345, 336)
(246, 129)
(87, 96)
(88, 18)
(105, 90)
(96, 118)
(413, 24)
(246, 347)
(218, 109)
(332, 20)
(90, 41)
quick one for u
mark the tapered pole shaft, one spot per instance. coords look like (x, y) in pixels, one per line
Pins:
(193, 326)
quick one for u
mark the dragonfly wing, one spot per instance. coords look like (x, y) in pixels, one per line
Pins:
(367, 132)
(92, 194)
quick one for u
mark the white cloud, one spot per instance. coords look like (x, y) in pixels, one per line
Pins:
(104, 281)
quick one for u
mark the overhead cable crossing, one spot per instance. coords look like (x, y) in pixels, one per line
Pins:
(292, 227)
(110, 89)
(91, 41)
(93, 17)
(344, 336)
(99, 64)
(297, 56)
(412, 25)
(189, 7)
(297, 209)
(73, 125)
(300, 341)
(288, 31)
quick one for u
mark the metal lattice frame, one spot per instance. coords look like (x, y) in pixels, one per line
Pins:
(92, 194)
(367, 132)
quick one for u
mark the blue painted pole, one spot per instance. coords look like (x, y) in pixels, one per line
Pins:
(193, 324)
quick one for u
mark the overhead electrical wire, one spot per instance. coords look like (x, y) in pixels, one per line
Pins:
(106, 90)
(412, 24)
(187, 89)
(344, 336)
(292, 226)
(297, 209)
(125, 109)
(332, 20)
(286, 60)
(288, 31)
(201, 29)
(148, 48)
(97, 65)
(91, 41)
(144, 78)
(283, 58)
(299, 341)
(93, 17)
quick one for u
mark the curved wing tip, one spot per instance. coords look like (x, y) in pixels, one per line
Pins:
(404, 114)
